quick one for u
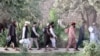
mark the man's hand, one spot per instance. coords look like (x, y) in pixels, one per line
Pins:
(38, 35)
(56, 37)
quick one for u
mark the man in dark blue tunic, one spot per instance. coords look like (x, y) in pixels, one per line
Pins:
(81, 35)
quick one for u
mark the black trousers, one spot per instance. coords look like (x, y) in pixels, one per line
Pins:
(80, 41)
(47, 40)
(13, 39)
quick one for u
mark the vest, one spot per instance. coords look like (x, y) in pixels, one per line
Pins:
(33, 35)
(26, 32)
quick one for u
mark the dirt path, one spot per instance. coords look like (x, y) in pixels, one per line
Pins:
(60, 50)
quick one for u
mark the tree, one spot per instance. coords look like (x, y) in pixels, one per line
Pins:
(88, 13)
(13, 8)
(75, 10)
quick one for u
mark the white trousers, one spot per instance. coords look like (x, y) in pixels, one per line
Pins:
(93, 38)
(53, 41)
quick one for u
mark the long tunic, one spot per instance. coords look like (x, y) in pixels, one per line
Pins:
(93, 34)
(12, 34)
(25, 32)
(12, 30)
(71, 36)
(81, 36)
(47, 36)
(34, 33)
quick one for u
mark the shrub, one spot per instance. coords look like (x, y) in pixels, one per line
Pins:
(3, 36)
(90, 49)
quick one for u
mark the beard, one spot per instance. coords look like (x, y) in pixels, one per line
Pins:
(74, 26)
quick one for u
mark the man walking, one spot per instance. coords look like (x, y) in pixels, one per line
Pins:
(34, 36)
(81, 35)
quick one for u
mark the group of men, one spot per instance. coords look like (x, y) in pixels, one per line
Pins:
(49, 36)
(94, 33)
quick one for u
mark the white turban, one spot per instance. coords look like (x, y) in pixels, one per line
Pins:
(27, 22)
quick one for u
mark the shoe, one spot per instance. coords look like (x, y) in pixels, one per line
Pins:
(38, 48)
(30, 49)
(55, 48)
(6, 49)
(76, 50)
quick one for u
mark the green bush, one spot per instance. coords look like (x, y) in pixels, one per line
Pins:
(3, 36)
(53, 15)
(90, 49)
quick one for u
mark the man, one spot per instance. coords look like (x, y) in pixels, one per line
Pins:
(52, 35)
(34, 36)
(71, 36)
(25, 31)
(81, 35)
(47, 38)
(94, 34)
(12, 36)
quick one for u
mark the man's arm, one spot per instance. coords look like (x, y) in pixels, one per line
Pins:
(23, 33)
(34, 30)
(10, 30)
(52, 32)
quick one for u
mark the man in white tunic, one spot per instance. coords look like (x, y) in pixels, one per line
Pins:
(53, 35)
(25, 40)
(93, 34)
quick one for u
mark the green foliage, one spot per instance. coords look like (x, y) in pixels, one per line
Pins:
(14, 8)
(62, 5)
(97, 50)
(53, 15)
(90, 49)
(3, 36)
(21, 9)
(35, 9)
(19, 28)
